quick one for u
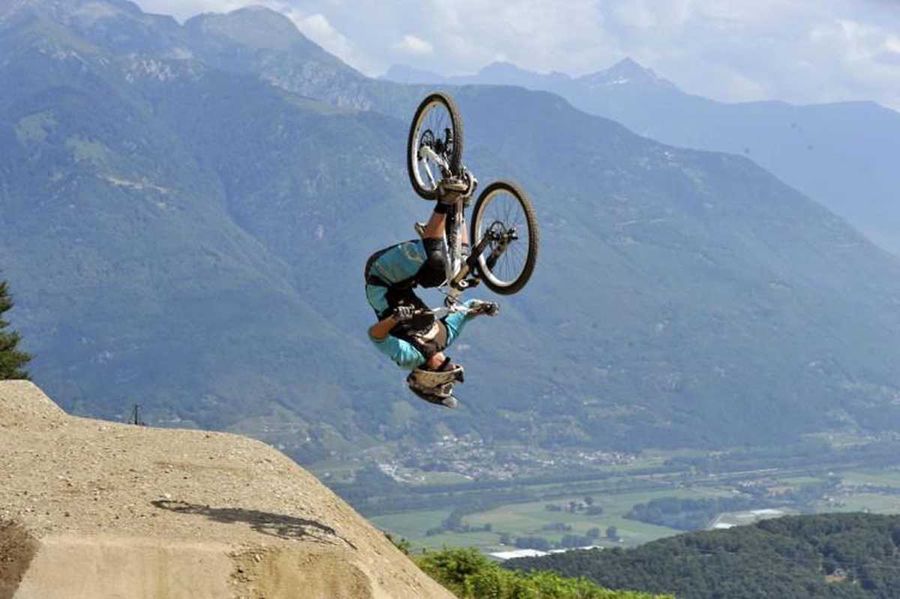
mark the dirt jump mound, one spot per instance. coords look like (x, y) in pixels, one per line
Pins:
(92, 509)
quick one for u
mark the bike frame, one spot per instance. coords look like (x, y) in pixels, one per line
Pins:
(456, 269)
(451, 243)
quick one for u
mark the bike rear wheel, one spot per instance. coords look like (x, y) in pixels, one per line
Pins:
(504, 213)
(435, 144)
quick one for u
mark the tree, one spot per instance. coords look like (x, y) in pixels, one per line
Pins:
(612, 533)
(11, 359)
(538, 543)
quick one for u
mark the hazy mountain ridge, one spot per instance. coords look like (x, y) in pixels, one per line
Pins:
(626, 71)
(840, 154)
(174, 221)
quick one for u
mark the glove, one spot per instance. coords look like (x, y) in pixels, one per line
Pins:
(403, 313)
(477, 307)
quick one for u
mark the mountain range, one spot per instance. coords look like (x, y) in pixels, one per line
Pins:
(841, 154)
(185, 212)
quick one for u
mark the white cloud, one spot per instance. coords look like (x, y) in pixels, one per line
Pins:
(892, 44)
(410, 44)
(794, 50)
(317, 28)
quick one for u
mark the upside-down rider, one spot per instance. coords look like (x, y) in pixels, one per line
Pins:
(406, 331)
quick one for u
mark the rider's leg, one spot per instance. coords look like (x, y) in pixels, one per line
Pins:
(434, 228)
(450, 195)
(377, 297)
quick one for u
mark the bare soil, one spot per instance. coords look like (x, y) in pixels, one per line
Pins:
(17, 548)
(135, 497)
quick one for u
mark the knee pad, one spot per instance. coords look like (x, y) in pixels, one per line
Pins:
(432, 273)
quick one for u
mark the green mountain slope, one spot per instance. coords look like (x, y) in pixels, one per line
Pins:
(177, 215)
(830, 555)
(136, 270)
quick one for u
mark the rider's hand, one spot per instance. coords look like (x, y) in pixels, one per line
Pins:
(403, 313)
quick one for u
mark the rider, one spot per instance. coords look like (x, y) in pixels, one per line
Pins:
(405, 331)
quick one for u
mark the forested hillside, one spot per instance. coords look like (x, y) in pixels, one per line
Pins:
(470, 575)
(824, 556)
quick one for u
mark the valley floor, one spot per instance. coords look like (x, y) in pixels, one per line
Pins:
(538, 502)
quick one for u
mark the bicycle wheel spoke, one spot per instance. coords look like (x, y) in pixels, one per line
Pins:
(430, 131)
(429, 173)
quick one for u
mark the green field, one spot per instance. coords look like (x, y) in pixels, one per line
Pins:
(883, 478)
(528, 519)
(412, 526)
(865, 502)
(524, 512)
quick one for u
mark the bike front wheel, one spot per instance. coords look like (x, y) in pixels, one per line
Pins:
(504, 214)
(435, 144)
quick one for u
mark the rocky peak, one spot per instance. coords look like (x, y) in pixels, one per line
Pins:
(116, 25)
(501, 68)
(253, 26)
(66, 10)
(401, 73)
(626, 72)
(507, 73)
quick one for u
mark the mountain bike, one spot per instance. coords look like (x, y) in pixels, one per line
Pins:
(504, 235)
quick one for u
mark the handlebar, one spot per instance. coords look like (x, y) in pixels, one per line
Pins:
(442, 311)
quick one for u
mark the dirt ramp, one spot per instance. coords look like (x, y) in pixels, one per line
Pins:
(109, 510)
(76, 567)
(24, 406)
(17, 548)
(283, 573)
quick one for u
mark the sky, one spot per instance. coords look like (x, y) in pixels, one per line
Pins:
(801, 51)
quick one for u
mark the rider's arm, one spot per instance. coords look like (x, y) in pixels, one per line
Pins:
(401, 352)
(380, 330)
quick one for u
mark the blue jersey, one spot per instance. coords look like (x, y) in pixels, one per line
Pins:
(391, 274)
(406, 355)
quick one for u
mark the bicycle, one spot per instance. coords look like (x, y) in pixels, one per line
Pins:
(504, 233)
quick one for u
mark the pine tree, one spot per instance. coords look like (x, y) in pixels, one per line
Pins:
(11, 360)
